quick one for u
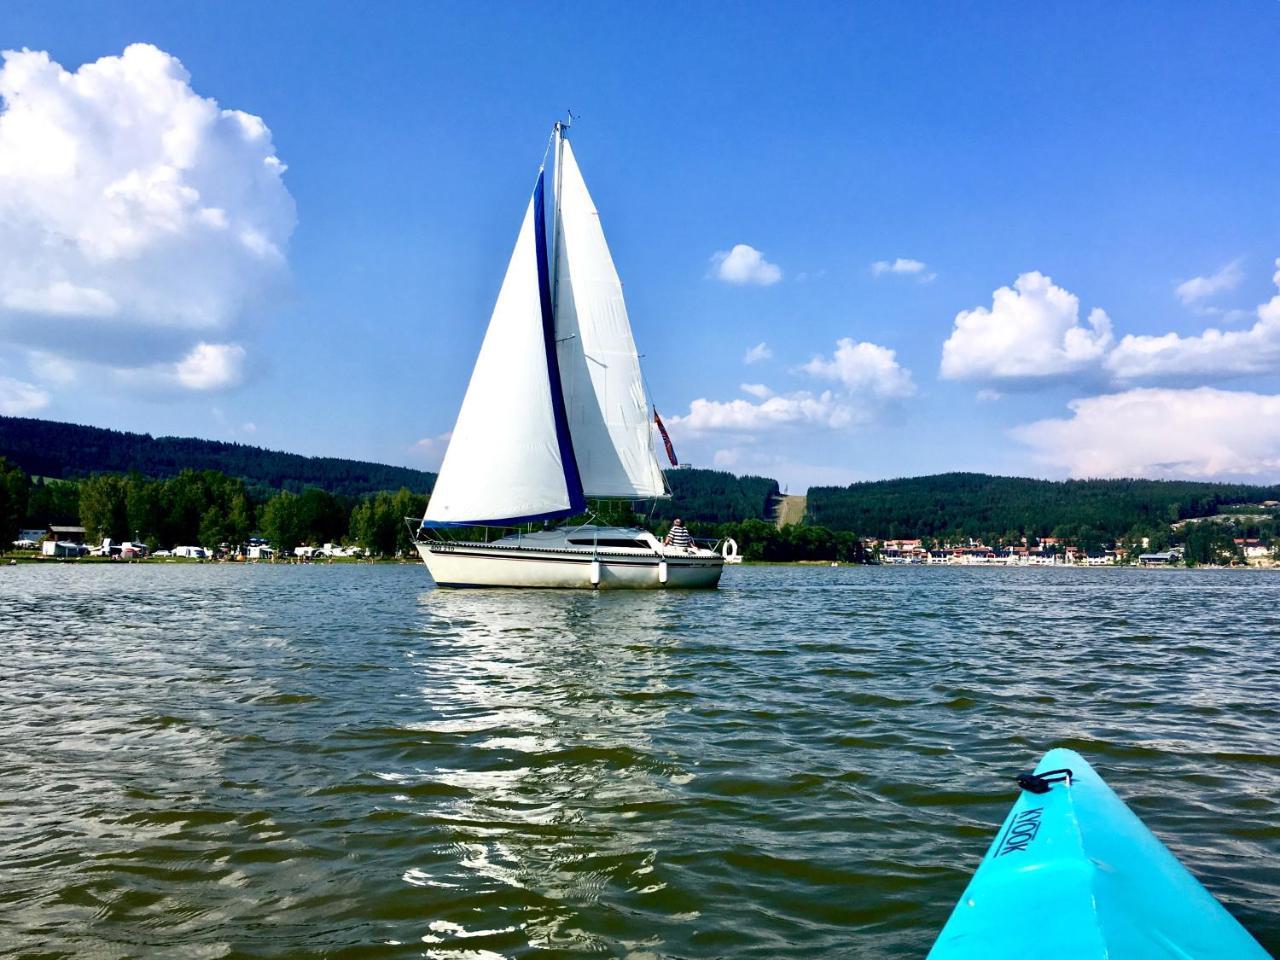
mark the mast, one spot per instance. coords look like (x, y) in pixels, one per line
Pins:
(560, 129)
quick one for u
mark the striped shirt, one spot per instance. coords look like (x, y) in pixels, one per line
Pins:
(679, 537)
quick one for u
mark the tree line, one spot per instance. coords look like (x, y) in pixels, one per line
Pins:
(208, 508)
(204, 508)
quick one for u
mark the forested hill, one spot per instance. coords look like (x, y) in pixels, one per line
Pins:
(67, 450)
(713, 496)
(51, 449)
(975, 504)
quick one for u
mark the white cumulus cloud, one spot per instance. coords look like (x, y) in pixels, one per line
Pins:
(760, 352)
(801, 408)
(211, 366)
(1213, 353)
(864, 368)
(1201, 433)
(904, 266)
(1192, 291)
(744, 265)
(18, 398)
(1031, 331)
(143, 225)
(869, 379)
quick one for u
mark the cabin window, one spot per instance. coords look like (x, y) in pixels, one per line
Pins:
(607, 542)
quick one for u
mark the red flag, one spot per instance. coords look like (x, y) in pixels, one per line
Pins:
(666, 439)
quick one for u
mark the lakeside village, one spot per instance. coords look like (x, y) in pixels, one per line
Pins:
(1052, 552)
(1196, 541)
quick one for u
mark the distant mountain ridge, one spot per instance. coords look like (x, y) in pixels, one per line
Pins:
(53, 449)
(980, 505)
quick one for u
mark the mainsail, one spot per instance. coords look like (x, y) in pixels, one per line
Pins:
(510, 458)
(604, 394)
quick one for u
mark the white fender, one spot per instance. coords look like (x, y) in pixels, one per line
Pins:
(662, 571)
(729, 548)
(595, 573)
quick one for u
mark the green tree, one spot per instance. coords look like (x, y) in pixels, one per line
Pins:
(144, 509)
(378, 522)
(104, 508)
(52, 502)
(322, 517)
(15, 489)
(280, 522)
(360, 524)
(240, 520)
(213, 528)
(1209, 543)
(372, 524)
(405, 505)
(185, 499)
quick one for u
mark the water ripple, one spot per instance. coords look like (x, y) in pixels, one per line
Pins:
(201, 761)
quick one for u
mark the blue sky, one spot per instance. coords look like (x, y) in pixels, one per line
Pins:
(1107, 153)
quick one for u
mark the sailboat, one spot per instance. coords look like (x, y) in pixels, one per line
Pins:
(555, 414)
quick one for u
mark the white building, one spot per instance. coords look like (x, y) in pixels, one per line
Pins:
(1253, 549)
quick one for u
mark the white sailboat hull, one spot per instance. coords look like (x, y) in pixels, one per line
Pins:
(493, 565)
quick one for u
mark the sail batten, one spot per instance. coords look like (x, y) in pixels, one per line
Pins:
(511, 458)
(604, 396)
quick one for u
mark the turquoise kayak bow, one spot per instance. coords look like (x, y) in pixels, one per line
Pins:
(1073, 873)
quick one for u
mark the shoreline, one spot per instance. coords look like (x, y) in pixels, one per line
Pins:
(10, 561)
(7, 560)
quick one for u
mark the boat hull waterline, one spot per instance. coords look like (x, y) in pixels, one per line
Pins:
(490, 565)
(1074, 873)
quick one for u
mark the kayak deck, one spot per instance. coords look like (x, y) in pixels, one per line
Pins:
(1074, 873)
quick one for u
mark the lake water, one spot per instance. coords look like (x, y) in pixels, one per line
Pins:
(259, 761)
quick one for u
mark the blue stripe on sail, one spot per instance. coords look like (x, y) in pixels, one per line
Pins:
(572, 479)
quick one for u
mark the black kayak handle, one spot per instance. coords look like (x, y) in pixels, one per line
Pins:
(1041, 782)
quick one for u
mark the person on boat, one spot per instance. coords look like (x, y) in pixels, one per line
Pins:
(678, 536)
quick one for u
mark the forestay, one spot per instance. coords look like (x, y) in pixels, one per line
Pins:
(510, 458)
(604, 396)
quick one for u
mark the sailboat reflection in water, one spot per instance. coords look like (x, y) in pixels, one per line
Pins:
(555, 413)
